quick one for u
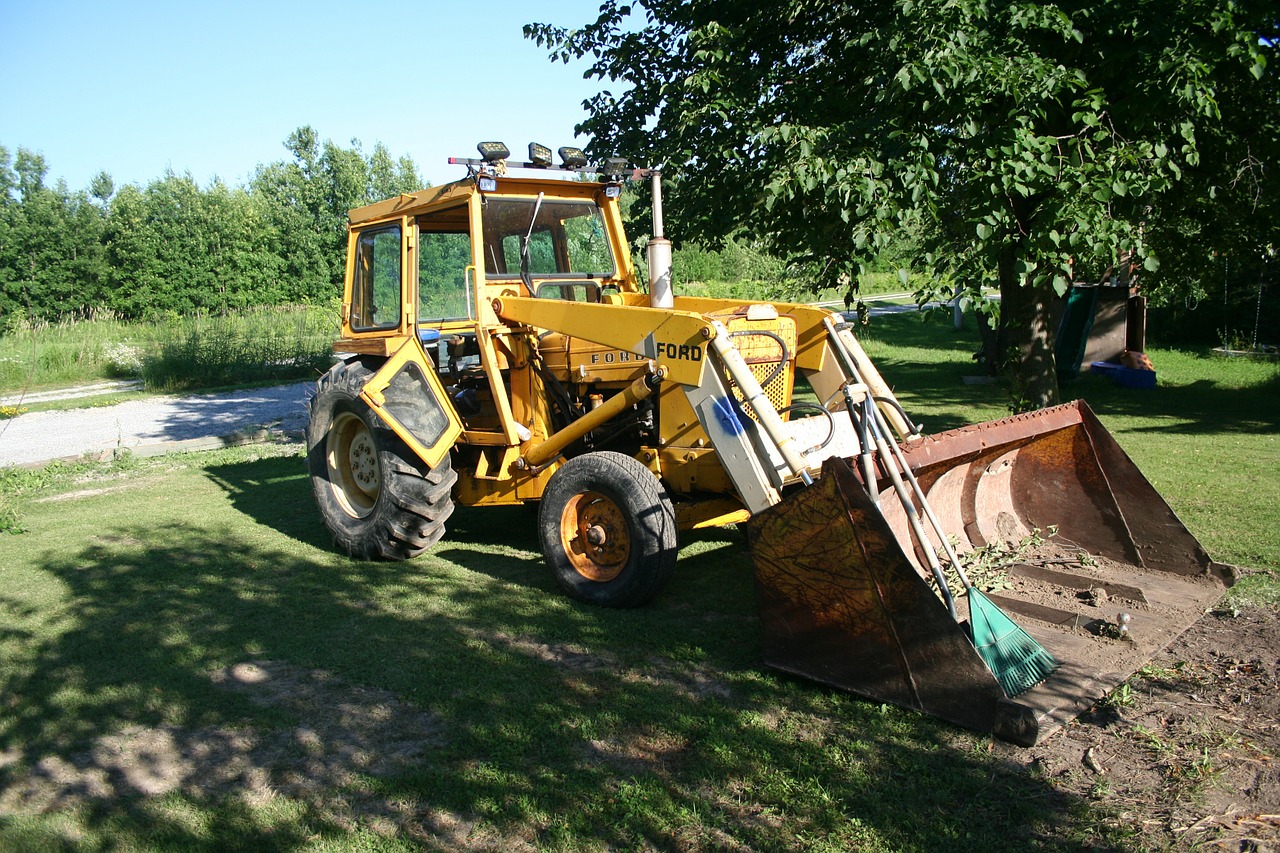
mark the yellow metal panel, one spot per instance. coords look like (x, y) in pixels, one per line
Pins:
(618, 240)
(411, 204)
(679, 425)
(762, 353)
(713, 513)
(688, 471)
(488, 438)
(811, 336)
(590, 362)
(672, 338)
(493, 365)
(486, 491)
(810, 333)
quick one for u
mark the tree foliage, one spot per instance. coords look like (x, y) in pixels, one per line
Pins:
(174, 247)
(1025, 143)
(50, 239)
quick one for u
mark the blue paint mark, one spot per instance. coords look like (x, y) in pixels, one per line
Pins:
(728, 417)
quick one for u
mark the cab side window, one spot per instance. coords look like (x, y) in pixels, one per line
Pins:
(443, 258)
(375, 296)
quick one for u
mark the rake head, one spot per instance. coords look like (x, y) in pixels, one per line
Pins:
(1016, 660)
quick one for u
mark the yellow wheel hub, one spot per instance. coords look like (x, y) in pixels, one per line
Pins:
(594, 535)
(352, 458)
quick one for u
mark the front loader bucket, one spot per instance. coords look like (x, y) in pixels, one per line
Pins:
(845, 600)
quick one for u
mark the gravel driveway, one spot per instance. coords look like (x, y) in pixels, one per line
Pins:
(153, 425)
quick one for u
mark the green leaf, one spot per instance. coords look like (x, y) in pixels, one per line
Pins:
(984, 231)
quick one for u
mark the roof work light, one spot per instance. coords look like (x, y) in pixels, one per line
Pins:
(493, 152)
(539, 155)
(572, 158)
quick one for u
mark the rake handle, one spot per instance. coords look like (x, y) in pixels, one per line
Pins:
(891, 459)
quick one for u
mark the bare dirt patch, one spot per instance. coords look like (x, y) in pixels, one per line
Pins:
(1186, 753)
(81, 493)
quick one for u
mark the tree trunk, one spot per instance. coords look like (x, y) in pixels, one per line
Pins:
(994, 350)
(1025, 312)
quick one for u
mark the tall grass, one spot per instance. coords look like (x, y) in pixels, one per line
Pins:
(266, 344)
(35, 354)
(171, 353)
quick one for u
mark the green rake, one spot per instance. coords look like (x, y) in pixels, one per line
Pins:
(1016, 660)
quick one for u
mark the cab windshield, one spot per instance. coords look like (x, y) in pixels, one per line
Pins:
(568, 239)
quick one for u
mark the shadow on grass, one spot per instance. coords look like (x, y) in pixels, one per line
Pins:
(276, 493)
(1202, 407)
(538, 721)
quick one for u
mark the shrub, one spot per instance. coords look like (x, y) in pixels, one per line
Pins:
(122, 360)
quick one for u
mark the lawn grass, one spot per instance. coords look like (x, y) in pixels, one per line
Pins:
(546, 724)
(460, 702)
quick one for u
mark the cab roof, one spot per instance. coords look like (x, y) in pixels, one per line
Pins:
(456, 192)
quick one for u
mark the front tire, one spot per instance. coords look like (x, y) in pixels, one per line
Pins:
(376, 497)
(608, 530)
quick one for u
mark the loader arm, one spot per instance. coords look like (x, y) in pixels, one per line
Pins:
(696, 353)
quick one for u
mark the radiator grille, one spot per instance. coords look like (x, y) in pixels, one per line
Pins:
(763, 353)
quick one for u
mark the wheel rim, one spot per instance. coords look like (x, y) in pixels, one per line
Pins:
(594, 536)
(354, 472)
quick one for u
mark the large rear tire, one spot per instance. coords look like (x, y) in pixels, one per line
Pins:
(377, 498)
(608, 530)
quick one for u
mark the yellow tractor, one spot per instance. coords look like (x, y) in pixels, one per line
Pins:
(497, 349)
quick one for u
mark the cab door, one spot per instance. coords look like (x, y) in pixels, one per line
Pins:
(408, 396)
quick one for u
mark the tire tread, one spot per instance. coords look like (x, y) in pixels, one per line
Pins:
(410, 513)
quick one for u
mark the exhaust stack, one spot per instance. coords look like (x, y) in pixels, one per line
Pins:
(658, 253)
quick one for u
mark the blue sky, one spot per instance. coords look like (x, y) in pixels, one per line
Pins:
(214, 87)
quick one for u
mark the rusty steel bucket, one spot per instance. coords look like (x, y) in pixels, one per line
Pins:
(845, 596)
